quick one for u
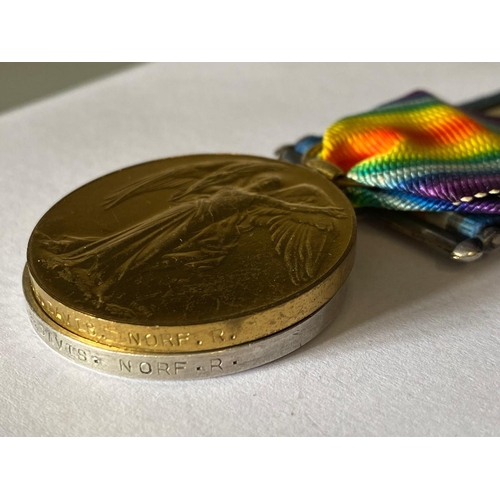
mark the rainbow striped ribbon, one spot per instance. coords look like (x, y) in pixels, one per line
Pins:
(417, 153)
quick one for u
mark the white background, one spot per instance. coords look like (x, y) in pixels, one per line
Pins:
(416, 348)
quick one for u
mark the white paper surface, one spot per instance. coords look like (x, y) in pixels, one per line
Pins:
(416, 349)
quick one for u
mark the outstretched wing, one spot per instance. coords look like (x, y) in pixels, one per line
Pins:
(299, 238)
(301, 246)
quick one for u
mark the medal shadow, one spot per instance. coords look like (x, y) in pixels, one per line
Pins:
(393, 284)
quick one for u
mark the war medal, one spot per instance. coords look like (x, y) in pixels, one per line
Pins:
(205, 265)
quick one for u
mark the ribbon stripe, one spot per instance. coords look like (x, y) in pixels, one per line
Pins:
(417, 153)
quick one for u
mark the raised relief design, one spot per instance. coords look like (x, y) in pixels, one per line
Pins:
(210, 205)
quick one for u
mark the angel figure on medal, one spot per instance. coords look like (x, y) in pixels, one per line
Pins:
(213, 204)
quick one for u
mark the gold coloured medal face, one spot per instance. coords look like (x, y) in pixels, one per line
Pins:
(192, 253)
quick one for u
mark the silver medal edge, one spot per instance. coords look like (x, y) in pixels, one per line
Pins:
(181, 366)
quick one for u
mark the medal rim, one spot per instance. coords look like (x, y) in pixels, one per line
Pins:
(183, 366)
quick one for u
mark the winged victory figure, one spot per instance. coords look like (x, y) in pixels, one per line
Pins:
(212, 205)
